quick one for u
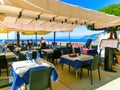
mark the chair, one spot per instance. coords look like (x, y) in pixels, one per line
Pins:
(34, 55)
(3, 63)
(21, 57)
(11, 47)
(69, 47)
(87, 44)
(93, 66)
(56, 55)
(40, 79)
(92, 52)
(67, 51)
(77, 50)
(5, 82)
(23, 48)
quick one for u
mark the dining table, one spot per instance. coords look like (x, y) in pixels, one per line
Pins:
(76, 62)
(47, 53)
(30, 52)
(21, 70)
(10, 56)
(37, 48)
(47, 50)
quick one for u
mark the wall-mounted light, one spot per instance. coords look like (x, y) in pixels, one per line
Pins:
(76, 22)
(50, 20)
(53, 18)
(38, 16)
(20, 15)
(62, 22)
(65, 20)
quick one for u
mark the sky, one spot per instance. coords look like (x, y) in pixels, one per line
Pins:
(92, 4)
(77, 32)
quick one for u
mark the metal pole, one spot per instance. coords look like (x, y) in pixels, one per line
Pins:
(18, 39)
(54, 36)
(36, 36)
(69, 36)
(7, 36)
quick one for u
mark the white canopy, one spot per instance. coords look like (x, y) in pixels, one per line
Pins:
(50, 15)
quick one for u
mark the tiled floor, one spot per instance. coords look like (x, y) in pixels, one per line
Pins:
(68, 81)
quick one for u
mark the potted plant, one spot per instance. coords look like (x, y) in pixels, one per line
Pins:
(117, 54)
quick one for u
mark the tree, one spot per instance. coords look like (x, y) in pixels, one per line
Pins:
(113, 10)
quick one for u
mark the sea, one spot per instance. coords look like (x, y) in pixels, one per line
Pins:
(83, 39)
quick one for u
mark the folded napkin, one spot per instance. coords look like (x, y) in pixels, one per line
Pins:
(38, 54)
(28, 56)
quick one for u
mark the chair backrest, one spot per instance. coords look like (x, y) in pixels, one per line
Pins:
(77, 50)
(23, 48)
(67, 51)
(11, 47)
(21, 57)
(68, 45)
(40, 79)
(57, 54)
(34, 54)
(95, 62)
(92, 52)
(87, 44)
(3, 62)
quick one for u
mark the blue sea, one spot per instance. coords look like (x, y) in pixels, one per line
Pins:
(56, 40)
(83, 39)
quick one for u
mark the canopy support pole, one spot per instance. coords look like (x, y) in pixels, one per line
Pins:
(36, 36)
(54, 36)
(69, 36)
(18, 39)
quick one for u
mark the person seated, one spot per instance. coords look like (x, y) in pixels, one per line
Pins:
(28, 44)
(31, 42)
(42, 42)
(3, 46)
(23, 44)
(10, 43)
(2, 43)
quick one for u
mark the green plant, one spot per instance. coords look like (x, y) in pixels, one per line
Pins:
(117, 52)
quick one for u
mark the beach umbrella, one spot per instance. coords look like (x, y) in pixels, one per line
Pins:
(5, 32)
(35, 33)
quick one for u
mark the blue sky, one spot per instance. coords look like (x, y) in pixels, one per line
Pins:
(92, 4)
(80, 31)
